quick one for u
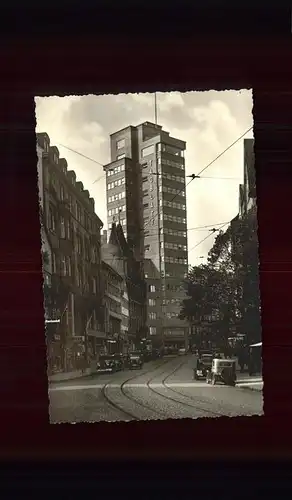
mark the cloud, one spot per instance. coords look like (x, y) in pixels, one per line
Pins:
(208, 121)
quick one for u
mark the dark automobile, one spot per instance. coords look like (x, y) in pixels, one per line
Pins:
(106, 364)
(119, 360)
(204, 364)
(222, 370)
(135, 360)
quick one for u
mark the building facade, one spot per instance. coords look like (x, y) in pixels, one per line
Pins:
(113, 289)
(116, 293)
(146, 193)
(247, 190)
(250, 310)
(72, 230)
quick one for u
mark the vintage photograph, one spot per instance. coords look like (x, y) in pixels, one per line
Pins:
(148, 225)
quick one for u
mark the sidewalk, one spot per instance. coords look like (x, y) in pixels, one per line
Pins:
(62, 377)
(254, 382)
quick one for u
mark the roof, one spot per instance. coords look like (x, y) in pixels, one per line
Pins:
(112, 268)
(122, 129)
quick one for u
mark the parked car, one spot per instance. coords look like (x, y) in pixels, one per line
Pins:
(204, 363)
(182, 351)
(106, 364)
(135, 360)
(119, 360)
(222, 370)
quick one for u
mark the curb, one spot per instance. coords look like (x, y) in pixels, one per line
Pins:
(246, 387)
(57, 382)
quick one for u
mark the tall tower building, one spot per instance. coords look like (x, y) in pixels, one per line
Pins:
(146, 193)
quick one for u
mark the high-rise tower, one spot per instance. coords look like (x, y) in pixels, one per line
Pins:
(146, 192)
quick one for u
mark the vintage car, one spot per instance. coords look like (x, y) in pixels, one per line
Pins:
(222, 370)
(119, 360)
(135, 360)
(106, 364)
(182, 351)
(204, 363)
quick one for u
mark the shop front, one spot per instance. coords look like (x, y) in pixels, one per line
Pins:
(175, 339)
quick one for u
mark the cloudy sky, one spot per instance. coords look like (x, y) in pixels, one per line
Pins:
(208, 121)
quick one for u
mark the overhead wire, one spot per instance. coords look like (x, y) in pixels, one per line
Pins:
(194, 176)
(87, 158)
(208, 236)
(80, 154)
(225, 150)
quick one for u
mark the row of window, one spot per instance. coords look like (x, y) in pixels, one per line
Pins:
(173, 246)
(166, 302)
(172, 177)
(73, 205)
(170, 163)
(172, 204)
(117, 210)
(174, 260)
(173, 232)
(167, 189)
(118, 182)
(169, 274)
(66, 232)
(115, 170)
(116, 197)
(173, 218)
(147, 151)
(66, 267)
(170, 149)
(171, 315)
(178, 332)
(173, 274)
(172, 288)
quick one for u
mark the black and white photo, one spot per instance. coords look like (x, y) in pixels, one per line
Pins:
(148, 222)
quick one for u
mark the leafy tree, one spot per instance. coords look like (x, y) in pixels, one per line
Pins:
(211, 295)
(228, 284)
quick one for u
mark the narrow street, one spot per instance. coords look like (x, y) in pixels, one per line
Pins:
(162, 389)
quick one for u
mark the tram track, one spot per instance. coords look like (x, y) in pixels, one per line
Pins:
(118, 406)
(176, 400)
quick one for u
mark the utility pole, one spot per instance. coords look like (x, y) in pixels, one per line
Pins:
(155, 107)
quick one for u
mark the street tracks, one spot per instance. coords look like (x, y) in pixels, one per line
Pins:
(185, 401)
(129, 398)
(180, 401)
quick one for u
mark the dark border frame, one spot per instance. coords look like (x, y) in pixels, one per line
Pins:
(54, 66)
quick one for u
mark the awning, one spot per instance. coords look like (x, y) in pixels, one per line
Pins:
(259, 344)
